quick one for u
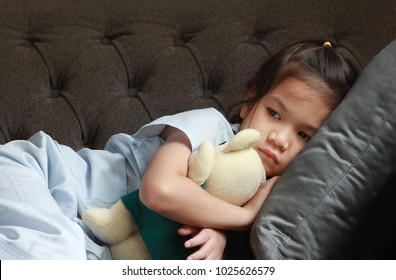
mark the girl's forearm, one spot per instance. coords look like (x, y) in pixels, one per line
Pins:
(184, 201)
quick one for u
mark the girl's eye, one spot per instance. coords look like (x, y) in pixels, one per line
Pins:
(305, 137)
(273, 113)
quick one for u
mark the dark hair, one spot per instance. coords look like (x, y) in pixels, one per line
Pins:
(330, 69)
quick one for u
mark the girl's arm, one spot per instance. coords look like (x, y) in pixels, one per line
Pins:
(167, 190)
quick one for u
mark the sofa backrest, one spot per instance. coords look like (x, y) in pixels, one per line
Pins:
(85, 70)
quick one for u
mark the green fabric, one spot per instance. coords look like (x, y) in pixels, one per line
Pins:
(158, 233)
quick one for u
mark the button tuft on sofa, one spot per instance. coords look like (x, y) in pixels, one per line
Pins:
(105, 41)
(55, 93)
(132, 92)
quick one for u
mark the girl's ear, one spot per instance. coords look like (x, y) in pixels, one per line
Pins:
(245, 108)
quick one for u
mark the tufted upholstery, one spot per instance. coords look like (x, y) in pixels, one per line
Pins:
(83, 70)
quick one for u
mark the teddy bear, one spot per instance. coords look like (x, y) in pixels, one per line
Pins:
(232, 171)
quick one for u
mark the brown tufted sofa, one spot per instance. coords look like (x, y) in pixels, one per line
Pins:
(83, 70)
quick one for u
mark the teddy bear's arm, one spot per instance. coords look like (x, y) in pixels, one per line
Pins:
(201, 163)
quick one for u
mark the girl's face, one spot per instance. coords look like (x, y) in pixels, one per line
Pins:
(287, 117)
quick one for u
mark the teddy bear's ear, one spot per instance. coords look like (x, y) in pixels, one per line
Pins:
(201, 163)
(243, 140)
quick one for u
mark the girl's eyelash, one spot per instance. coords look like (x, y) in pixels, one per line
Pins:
(273, 113)
(305, 137)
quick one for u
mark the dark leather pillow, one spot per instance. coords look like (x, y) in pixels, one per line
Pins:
(315, 209)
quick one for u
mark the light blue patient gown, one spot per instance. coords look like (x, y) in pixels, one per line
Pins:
(44, 186)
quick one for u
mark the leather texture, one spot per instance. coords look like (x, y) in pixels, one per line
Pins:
(85, 70)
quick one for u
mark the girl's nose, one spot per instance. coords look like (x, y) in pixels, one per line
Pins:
(279, 139)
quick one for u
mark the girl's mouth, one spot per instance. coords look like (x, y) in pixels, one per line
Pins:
(269, 154)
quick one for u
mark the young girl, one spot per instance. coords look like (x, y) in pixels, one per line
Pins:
(45, 186)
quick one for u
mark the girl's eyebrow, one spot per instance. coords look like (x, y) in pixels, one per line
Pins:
(283, 106)
(279, 101)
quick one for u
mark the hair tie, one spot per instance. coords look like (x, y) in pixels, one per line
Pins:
(327, 44)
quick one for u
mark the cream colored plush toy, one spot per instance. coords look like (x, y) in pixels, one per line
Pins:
(232, 172)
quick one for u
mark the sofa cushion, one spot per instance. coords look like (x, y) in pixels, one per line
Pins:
(314, 210)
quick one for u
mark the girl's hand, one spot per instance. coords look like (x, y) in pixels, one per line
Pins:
(256, 202)
(212, 242)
